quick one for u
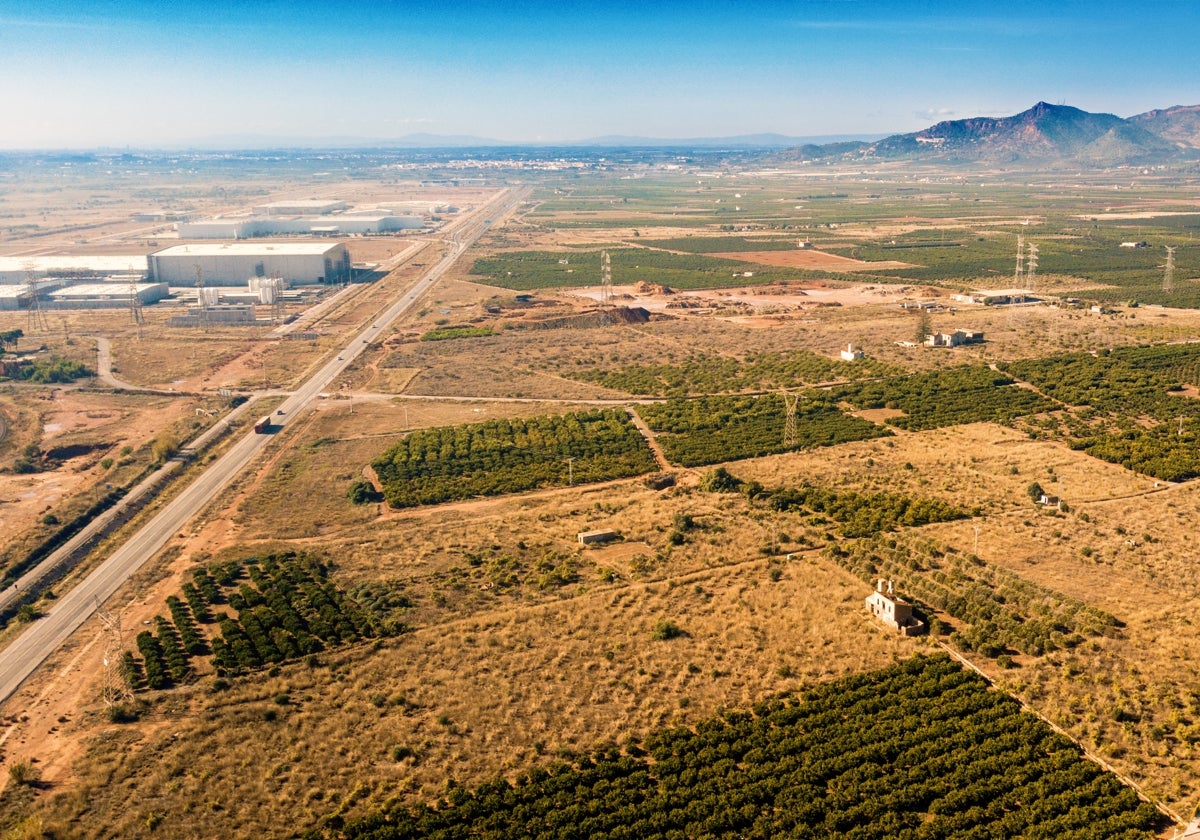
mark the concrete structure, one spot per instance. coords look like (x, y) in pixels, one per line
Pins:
(239, 315)
(954, 339)
(1001, 297)
(104, 295)
(893, 611)
(250, 227)
(601, 536)
(851, 353)
(296, 263)
(159, 216)
(74, 267)
(13, 297)
(300, 206)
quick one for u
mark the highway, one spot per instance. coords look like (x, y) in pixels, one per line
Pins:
(42, 637)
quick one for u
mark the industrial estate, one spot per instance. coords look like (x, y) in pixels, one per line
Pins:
(638, 492)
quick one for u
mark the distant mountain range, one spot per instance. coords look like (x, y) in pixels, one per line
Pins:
(464, 141)
(1045, 134)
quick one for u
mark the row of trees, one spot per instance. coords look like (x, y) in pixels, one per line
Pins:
(866, 514)
(723, 374)
(1131, 409)
(950, 397)
(447, 333)
(508, 456)
(999, 611)
(919, 751)
(709, 430)
(285, 607)
(1145, 380)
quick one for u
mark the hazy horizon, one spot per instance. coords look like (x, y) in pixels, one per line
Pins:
(138, 74)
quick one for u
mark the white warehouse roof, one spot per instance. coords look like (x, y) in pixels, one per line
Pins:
(301, 205)
(249, 249)
(105, 264)
(104, 290)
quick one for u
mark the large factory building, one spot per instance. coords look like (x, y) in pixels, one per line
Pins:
(243, 227)
(296, 263)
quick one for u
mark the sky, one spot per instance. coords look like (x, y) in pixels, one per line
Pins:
(139, 74)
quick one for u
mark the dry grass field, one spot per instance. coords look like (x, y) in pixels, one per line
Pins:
(524, 647)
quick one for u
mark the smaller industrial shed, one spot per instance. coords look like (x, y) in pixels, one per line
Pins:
(13, 297)
(104, 295)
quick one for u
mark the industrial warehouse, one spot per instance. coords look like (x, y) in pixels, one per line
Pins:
(296, 263)
(250, 227)
(20, 270)
(309, 217)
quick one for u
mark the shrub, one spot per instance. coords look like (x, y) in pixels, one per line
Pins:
(719, 481)
(24, 773)
(363, 492)
(665, 630)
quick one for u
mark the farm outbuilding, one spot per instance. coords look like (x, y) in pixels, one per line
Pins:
(893, 611)
(296, 263)
(599, 536)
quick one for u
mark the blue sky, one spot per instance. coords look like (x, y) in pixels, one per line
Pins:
(144, 74)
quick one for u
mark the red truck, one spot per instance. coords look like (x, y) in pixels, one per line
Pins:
(263, 426)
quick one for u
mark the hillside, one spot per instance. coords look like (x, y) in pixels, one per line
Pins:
(1044, 133)
(1179, 124)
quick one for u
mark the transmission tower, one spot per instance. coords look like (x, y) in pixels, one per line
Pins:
(37, 315)
(1020, 260)
(115, 689)
(1169, 270)
(278, 310)
(201, 300)
(1031, 259)
(135, 305)
(790, 401)
(605, 279)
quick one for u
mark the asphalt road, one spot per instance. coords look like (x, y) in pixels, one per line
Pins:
(23, 656)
